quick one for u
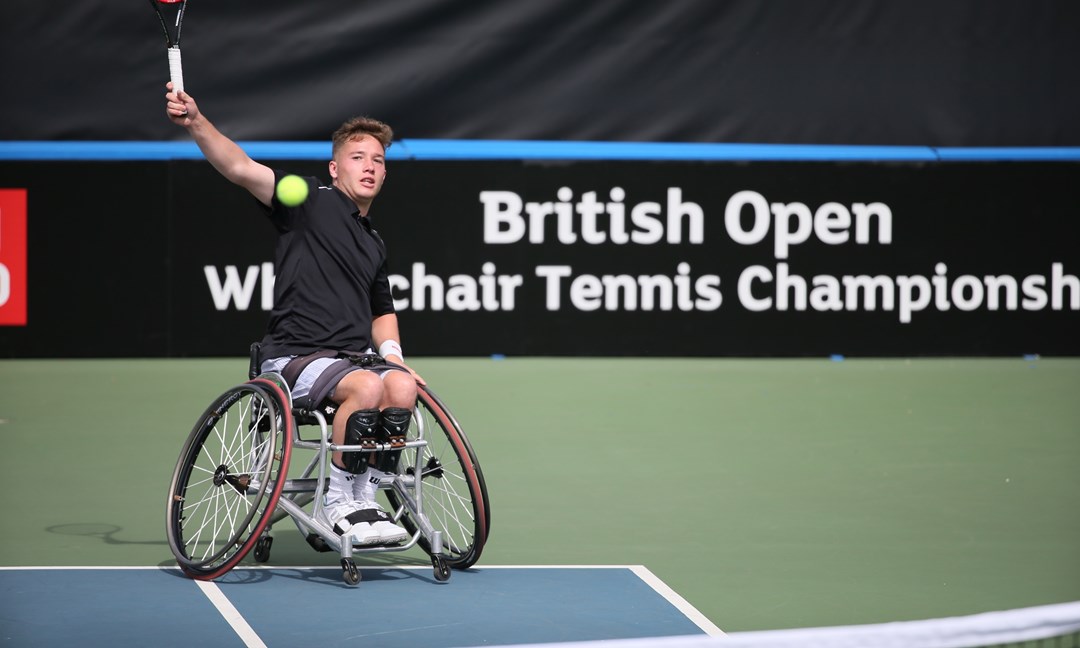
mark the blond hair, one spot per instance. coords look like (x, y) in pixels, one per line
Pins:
(357, 127)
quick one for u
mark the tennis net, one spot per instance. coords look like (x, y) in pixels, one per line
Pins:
(1052, 626)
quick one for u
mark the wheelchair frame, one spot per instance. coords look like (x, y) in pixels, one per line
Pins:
(231, 484)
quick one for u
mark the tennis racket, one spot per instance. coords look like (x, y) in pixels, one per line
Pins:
(172, 12)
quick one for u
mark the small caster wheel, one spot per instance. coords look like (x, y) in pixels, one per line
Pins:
(262, 549)
(442, 570)
(349, 572)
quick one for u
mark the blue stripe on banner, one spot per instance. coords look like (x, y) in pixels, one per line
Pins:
(652, 151)
(421, 149)
(1015, 154)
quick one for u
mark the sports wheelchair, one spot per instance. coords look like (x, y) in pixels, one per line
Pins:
(232, 482)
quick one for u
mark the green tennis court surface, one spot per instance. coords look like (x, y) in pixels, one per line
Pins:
(767, 493)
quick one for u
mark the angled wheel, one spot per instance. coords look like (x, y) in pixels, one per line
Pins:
(229, 478)
(454, 494)
(349, 573)
(442, 569)
(262, 548)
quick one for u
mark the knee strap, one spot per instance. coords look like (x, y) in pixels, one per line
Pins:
(361, 429)
(394, 424)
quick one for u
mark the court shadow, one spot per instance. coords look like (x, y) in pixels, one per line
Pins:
(323, 576)
(238, 576)
(105, 532)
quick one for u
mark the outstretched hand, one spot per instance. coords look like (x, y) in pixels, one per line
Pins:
(416, 376)
(179, 106)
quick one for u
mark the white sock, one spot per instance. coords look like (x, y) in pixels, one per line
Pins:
(365, 486)
(341, 485)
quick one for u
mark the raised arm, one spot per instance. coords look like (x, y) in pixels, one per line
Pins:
(224, 154)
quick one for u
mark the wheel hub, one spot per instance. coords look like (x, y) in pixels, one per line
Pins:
(238, 482)
(433, 468)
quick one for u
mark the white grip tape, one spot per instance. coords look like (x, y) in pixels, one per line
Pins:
(176, 70)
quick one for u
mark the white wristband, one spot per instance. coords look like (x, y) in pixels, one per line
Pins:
(389, 348)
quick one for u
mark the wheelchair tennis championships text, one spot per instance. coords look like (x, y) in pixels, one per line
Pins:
(749, 219)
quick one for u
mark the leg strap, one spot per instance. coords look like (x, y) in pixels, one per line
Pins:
(332, 375)
(293, 368)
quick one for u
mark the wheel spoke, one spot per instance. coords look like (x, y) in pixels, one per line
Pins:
(452, 491)
(226, 485)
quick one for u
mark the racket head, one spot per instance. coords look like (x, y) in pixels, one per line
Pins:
(170, 12)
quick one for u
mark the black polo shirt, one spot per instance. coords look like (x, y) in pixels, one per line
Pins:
(331, 276)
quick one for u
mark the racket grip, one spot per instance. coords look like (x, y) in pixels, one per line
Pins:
(176, 70)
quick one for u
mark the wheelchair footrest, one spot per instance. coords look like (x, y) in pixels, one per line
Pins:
(317, 543)
(304, 485)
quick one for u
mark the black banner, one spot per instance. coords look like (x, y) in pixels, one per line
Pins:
(878, 72)
(579, 259)
(97, 275)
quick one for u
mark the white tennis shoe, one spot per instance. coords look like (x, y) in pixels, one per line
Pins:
(364, 522)
(365, 487)
(349, 520)
(389, 533)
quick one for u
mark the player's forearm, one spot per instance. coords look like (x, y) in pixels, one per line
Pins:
(384, 328)
(232, 161)
(224, 154)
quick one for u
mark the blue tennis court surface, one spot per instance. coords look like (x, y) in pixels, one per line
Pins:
(308, 606)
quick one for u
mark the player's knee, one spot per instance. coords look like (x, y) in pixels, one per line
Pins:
(359, 387)
(400, 388)
(362, 429)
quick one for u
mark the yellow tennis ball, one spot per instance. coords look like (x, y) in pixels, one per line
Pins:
(292, 190)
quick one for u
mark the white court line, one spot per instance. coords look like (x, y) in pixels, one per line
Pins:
(231, 614)
(650, 579)
(226, 608)
(681, 604)
(217, 598)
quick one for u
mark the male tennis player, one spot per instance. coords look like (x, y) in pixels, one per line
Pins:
(331, 300)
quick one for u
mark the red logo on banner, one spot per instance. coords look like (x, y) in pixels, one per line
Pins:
(12, 257)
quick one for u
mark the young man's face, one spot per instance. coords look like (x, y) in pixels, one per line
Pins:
(359, 169)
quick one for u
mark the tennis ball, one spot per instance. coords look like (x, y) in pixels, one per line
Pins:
(292, 190)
